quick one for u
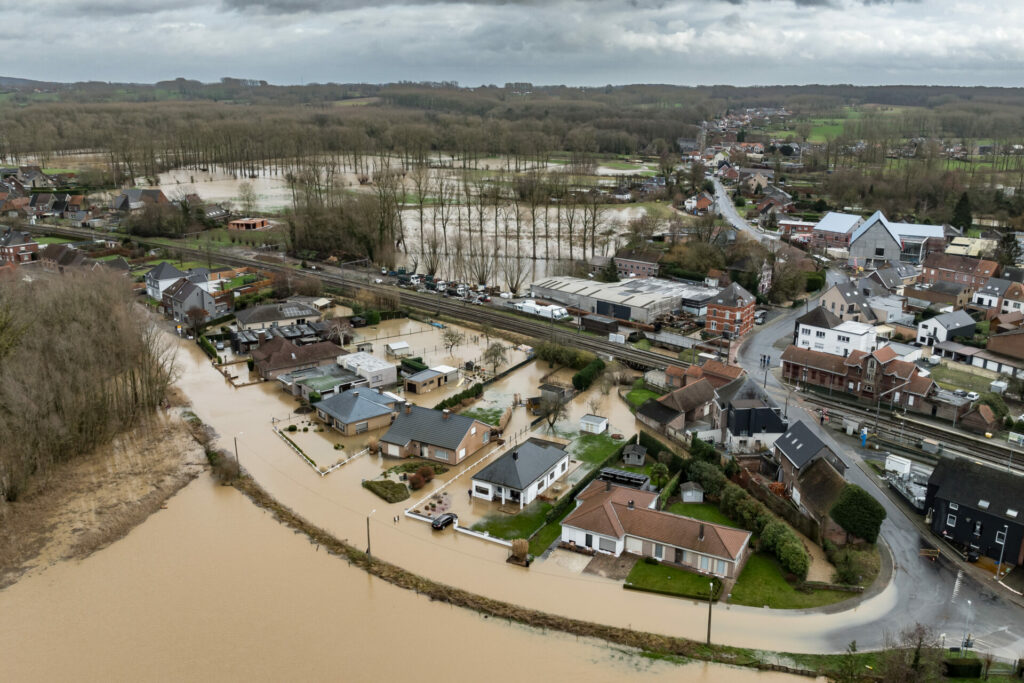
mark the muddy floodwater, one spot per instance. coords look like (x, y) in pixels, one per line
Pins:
(212, 588)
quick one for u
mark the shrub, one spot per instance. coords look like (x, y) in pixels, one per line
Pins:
(475, 391)
(651, 560)
(702, 450)
(415, 482)
(391, 491)
(774, 532)
(794, 558)
(426, 473)
(585, 377)
(251, 363)
(315, 397)
(372, 317)
(293, 428)
(858, 513)
(996, 403)
(711, 479)
(520, 547)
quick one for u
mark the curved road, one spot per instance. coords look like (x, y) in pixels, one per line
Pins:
(932, 593)
(729, 213)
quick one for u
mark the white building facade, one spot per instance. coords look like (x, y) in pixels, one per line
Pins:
(841, 340)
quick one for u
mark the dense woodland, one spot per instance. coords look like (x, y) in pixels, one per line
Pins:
(79, 362)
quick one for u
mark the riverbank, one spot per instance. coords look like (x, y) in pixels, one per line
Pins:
(86, 504)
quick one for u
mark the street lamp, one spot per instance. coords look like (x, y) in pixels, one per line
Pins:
(967, 626)
(236, 449)
(999, 568)
(711, 593)
(368, 553)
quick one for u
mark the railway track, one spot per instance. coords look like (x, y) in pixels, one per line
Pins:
(429, 303)
(954, 441)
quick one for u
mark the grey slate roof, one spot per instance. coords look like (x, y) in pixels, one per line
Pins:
(994, 287)
(523, 465)
(272, 312)
(734, 295)
(819, 317)
(429, 426)
(424, 375)
(961, 481)
(165, 271)
(356, 405)
(14, 238)
(954, 320)
(799, 444)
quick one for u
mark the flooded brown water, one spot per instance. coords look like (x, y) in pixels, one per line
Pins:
(339, 504)
(214, 589)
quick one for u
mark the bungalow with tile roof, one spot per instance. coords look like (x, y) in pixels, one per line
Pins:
(358, 410)
(614, 519)
(279, 355)
(276, 315)
(438, 435)
(521, 474)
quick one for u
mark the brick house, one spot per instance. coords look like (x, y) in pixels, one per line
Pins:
(358, 410)
(731, 312)
(279, 355)
(439, 435)
(17, 247)
(965, 270)
(638, 263)
(796, 450)
(833, 231)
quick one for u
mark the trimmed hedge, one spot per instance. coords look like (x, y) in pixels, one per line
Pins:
(206, 346)
(475, 391)
(962, 668)
(556, 354)
(858, 513)
(669, 490)
(390, 491)
(585, 377)
(414, 364)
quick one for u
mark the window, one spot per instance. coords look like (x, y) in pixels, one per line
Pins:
(565, 466)
(462, 453)
(879, 251)
(659, 550)
(983, 504)
(954, 506)
(1010, 512)
(679, 556)
(714, 325)
(1000, 537)
(705, 563)
(472, 430)
(483, 489)
(805, 331)
(843, 339)
(721, 568)
(950, 520)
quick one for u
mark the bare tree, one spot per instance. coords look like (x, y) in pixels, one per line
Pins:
(195, 317)
(494, 355)
(247, 197)
(452, 338)
(553, 410)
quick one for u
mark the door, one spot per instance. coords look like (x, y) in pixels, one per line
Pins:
(589, 541)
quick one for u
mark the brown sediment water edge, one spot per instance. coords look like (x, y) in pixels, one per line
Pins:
(651, 643)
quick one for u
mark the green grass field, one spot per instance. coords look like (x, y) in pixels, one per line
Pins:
(662, 578)
(637, 397)
(515, 526)
(53, 240)
(703, 511)
(949, 378)
(592, 448)
(761, 584)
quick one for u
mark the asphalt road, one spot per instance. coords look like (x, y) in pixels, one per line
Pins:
(932, 593)
(729, 213)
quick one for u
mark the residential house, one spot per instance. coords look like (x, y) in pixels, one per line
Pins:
(731, 312)
(964, 270)
(981, 420)
(1013, 298)
(821, 330)
(439, 435)
(184, 296)
(377, 372)
(326, 380)
(747, 420)
(796, 450)
(847, 302)
(358, 410)
(160, 277)
(989, 297)
(279, 355)
(638, 263)
(945, 327)
(895, 277)
(833, 231)
(17, 247)
(978, 508)
(431, 378)
(614, 519)
(520, 475)
(879, 375)
(816, 490)
(276, 315)
(755, 180)
(939, 294)
(137, 199)
(699, 204)
(878, 241)
(716, 372)
(683, 410)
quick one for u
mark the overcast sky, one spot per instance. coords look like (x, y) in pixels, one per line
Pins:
(579, 42)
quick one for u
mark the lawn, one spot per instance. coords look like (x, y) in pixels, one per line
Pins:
(491, 416)
(515, 526)
(761, 584)
(241, 280)
(705, 512)
(660, 578)
(53, 240)
(593, 448)
(547, 535)
(622, 166)
(951, 378)
(637, 397)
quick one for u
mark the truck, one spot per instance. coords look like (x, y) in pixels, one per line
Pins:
(549, 312)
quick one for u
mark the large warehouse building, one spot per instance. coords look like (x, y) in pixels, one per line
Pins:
(639, 299)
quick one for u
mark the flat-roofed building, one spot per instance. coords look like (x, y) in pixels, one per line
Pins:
(641, 300)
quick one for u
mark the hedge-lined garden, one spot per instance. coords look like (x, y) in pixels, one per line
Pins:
(475, 391)
(582, 380)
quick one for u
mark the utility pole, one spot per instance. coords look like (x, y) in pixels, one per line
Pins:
(999, 568)
(236, 452)
(711, 594)
(368, 553)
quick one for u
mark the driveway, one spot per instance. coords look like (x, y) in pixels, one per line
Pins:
(937, 593)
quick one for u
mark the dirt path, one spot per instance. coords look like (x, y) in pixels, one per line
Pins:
(84, 505)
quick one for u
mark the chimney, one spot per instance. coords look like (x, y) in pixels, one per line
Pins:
(445, 413)
(607, 486)
(408, 408)
(700, 534)
(261, 336)
(629, 504)
(638, 438)
(515, 455)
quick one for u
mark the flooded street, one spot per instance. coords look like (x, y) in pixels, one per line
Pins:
(214, 589)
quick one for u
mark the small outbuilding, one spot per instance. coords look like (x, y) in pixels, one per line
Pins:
(593, 424)
(634, 455)
(691, 492)
(600, 324)
(398, 349)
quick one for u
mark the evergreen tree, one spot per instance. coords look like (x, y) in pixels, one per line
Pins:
(1009, 250)
(962, 213)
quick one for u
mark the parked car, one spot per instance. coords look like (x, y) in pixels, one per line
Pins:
(960, 392)
(485, 299)
(506, 295)
(378, 281)
(973, 395)
(220, 346)
(443, 520)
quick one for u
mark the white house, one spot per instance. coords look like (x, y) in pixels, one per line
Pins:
(614, 519)
(990, 295)
(376, 372)
(821, 330)
(945, 327)
(521, 474)
(593, 424)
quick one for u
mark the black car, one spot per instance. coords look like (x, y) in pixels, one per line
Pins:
(441, 521)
